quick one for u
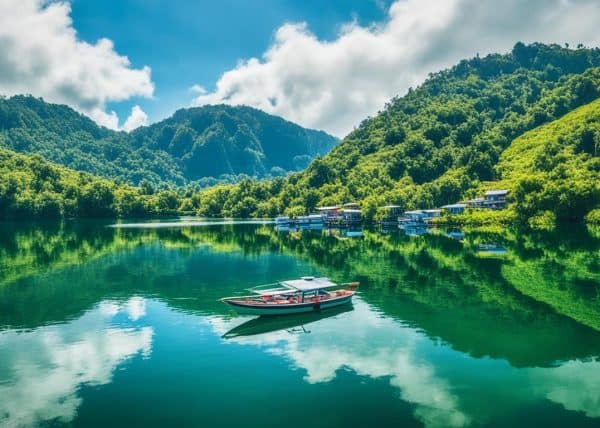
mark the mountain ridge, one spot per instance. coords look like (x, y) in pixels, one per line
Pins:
(242, 135)
(436, 144)
(445, 141)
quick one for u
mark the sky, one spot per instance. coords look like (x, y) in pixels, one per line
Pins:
(323, 64)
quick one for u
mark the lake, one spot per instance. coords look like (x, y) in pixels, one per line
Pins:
(121, 326)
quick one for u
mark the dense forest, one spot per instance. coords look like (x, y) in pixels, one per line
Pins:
(213, 141)
(527, 121)
(443, 141)
(553, 171)
(32, 187)
(201, 145)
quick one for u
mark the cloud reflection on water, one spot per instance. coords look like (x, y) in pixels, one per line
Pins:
(370, 346)
(379, 347)
(575, 385)
(42, 370)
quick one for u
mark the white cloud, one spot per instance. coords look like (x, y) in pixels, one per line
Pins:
(49, 365)
(575, 385)
(136, 308)
(199, 89)
(333, 85)
(365, 347)
(41, 54)
(137, 118)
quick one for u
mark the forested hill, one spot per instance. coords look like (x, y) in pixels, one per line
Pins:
(216, 140)
(553, 171)
(198, 143)
(439, 142)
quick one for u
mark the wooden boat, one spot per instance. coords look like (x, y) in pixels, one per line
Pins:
(295, 296)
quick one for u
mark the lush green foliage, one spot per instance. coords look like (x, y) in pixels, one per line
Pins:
(439, 142)
(554, 171)
(63, 136)
(213, 141)
(205, 144)
(593, 217)
(464, 130)
(544, 289)
(32, 187)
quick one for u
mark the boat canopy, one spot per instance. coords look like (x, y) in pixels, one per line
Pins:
(309, 283)
(306, 283)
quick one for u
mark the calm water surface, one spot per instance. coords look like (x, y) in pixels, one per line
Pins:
(103, 326)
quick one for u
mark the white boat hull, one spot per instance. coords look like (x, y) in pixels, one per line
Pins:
(251, 308)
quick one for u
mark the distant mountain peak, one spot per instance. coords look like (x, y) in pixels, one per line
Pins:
(198, 143)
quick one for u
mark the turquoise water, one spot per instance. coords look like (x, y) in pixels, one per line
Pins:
(103, 326)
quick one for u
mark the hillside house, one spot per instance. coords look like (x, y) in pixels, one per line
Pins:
(455, 208)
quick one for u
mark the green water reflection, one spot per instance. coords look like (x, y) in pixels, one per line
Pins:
(121, 326)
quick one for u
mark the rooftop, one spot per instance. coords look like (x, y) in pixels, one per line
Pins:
(309, 283)
(496, 192)
(455, 206)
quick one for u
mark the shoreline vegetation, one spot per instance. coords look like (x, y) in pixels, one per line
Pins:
(539, 263)
(527, 121)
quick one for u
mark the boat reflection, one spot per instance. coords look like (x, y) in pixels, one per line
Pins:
(360, 341)
(291, 323)
(429, 377)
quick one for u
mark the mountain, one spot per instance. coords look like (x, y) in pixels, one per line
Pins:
(211, 141)
(197, 143)
(526, 121)
(438, 143)
(61, 135)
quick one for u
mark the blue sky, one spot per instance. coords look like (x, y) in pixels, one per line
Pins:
(322, 64)
(189, 42)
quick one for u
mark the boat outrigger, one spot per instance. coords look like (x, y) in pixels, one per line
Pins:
(294, 296)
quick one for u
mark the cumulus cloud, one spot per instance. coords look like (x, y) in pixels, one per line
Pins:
(575, 385)
(41, 54)
(333, 85)
(365, 348)
(137, 118)
(48, 365)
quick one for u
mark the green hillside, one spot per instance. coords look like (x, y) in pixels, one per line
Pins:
(527, 121)
(439, 142)
(61, 135)
(211, 141)
(205, 143)
(556, 168)
(31, 187)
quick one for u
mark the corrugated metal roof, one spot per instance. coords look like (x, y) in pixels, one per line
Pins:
(496, 192)
(455, 206)
(309, 283)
